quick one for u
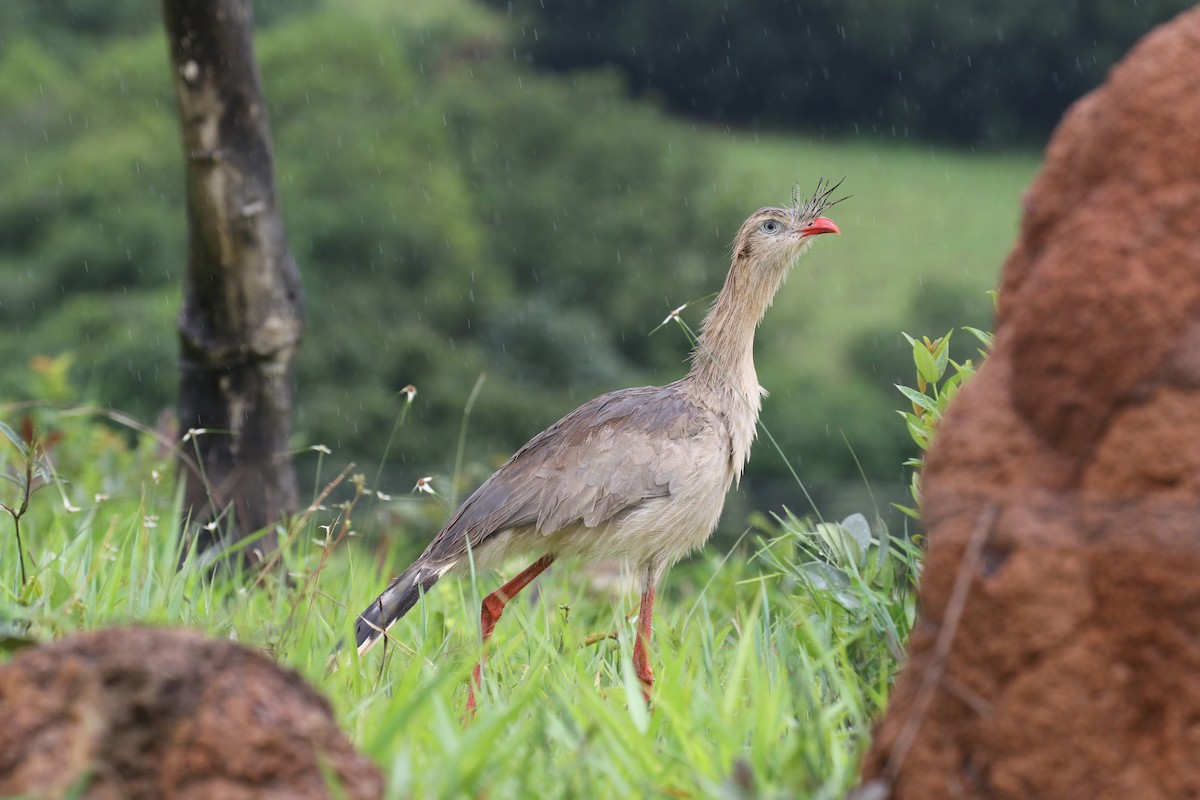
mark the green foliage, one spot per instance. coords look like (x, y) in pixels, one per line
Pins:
(75, 28)
(455, 213)
(970, 71)
(30, 473)
(451, 211)
(769, 667)
(72, 23)
(91, 243)
(935, 388)
(866, 578)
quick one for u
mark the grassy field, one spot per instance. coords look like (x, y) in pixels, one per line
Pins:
(771, 659)
(772, 656)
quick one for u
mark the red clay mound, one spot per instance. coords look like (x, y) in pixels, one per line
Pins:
(1063, 492)
(168, 714)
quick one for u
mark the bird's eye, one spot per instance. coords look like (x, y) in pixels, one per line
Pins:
(771, 226)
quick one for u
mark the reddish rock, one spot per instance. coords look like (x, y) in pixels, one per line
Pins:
(141, 714)
(1074, 670)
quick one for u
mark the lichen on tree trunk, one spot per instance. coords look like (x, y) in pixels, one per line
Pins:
(242, 313)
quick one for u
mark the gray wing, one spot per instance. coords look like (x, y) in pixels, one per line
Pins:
(606, 456)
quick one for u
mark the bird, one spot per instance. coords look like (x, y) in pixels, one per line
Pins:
(638, 475)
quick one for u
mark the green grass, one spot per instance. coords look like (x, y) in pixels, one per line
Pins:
(771, 661)
(771, 658)
(769, 665)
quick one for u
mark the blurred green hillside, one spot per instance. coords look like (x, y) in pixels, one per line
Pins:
(455, 212)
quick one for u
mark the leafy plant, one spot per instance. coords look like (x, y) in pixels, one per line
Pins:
(862, 576)
(936, 387)
(29, 474)
(770, 669)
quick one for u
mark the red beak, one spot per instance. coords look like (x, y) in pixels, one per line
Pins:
(820, 225)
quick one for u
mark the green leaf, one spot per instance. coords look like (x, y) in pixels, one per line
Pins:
(948, 393)
(19, 480)
(11, 435)
(918, 398)
(982, 336)
(919, 435)
(964, 370)
(32, 591)
(60, 591)
(926, 366)
(830, 581)
(860, 530)
(941, 354)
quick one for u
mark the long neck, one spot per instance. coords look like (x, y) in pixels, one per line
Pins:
(724, 357)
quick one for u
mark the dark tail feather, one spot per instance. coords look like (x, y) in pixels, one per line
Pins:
(400, 595)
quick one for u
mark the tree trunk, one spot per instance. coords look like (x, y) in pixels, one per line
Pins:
(242, 313)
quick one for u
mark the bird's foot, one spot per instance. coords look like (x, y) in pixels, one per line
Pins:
(646, 687)
(469, 712)
(472, 685)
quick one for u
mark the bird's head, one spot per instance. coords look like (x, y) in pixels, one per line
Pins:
(775, 237)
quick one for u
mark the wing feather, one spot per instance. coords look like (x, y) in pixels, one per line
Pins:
(605, 457)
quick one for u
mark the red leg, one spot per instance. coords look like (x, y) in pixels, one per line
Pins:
(489, 613)
(641, 661)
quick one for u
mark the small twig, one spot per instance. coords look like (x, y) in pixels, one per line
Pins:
(384, 658)
(462, 440)
(331, 543)
(969, 696)
(19, 511)
(298, 525)
(597, 638)
(933, 674)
